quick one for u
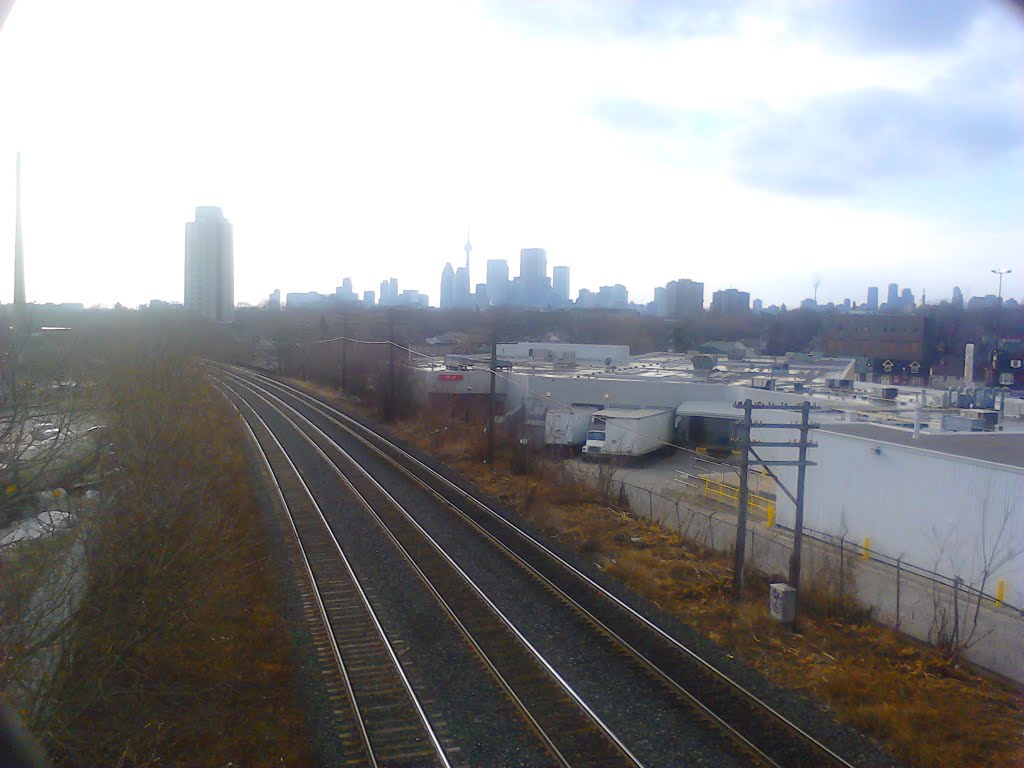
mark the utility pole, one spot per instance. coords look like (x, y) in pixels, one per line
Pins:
(344, 351)
(801, 474)
(490, 400)
(389, 411)
(999, 301)
(741, 518)
(804, 426)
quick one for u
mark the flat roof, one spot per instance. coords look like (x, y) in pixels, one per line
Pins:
(631, 413)
(716, 409)
(997, 447)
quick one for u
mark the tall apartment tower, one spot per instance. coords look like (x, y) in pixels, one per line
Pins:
(209, 265)
(872, 302)
(560, 283)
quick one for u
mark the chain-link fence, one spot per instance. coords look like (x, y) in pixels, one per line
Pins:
(830, 562)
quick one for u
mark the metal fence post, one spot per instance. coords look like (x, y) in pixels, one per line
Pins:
(899, 571)
(842, 568)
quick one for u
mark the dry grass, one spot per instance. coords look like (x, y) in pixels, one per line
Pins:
(926, 712)
(178, 656)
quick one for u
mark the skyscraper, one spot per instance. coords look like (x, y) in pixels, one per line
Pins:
(385, 293)
(497, 281)
(447, 286)
(461, 287)
(560, 283)
(532, 287)
(209, 265)
(872, 302)
(958, 297)
(684, 298)
(893, 297)
(906, 301)
(533, 265)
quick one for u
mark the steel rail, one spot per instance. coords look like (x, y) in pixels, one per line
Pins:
(605, 730)
(336, 652)
(353, 427)
(392, 656)
(692, 700)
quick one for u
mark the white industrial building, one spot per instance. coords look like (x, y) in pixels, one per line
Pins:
(952, 503)
(543, 351)
(946, 504)
(936, 500)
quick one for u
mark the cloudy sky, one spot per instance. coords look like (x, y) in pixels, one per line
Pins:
(754, 144)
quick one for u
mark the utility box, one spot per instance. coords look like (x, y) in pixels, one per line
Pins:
(782, 602)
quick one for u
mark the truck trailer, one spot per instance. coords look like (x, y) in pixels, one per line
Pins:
(566, 428)
(629, 431)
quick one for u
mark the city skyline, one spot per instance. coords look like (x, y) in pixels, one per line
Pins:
(578, 130)
(678, 298)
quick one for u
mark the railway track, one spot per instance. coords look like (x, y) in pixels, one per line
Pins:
(568, 729)
(760, 731)
(380, 720)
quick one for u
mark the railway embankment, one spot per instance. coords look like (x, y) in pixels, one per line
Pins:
(175, 652)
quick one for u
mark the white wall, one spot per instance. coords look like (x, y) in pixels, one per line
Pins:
(939, 512)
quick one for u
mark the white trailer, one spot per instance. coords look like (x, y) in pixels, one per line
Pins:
(629, 431)
(567, 426)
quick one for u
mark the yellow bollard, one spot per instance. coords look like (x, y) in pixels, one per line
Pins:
(1000, 591)
(771, 515)
(867, 546)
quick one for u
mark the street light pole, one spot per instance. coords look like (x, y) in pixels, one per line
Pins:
(999, 301)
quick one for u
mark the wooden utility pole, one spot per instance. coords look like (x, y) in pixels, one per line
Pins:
(490, 400)
(801, 473)
(389, 411)
(749, 448)
(344, 351)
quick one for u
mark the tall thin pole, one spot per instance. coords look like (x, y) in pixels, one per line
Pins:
(490, 400)
(999, 302)
(741, 517)
(19, 257)
(390, 409)
(344, 351)
(801, 473)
